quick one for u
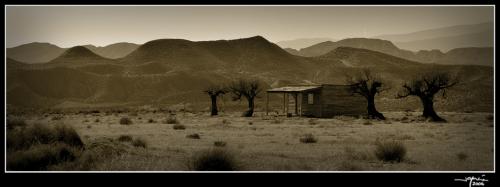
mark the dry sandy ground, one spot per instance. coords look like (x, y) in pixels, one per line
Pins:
(268, 143)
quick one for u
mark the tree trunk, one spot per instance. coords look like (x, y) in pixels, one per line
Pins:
(249, 112)
(214, 110)
(429, 109)
(372, 111)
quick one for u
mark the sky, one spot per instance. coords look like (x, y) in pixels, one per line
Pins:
(68, 26)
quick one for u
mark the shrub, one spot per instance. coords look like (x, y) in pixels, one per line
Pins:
(276, 121)
(139, 142)
(225, 122)
(214, 160)
(349, 166)
(13, 122)
(42, 134)
(193, 136)
(89, 126)
(462, 156)
(219, 143)
(172, 120)
(308, 138)
(390, 151)
(250, 123)
(125, 138)
(179, 127)
(97, 120)
(151, 121)
(489, 117)
(125, 121)
(40, 156)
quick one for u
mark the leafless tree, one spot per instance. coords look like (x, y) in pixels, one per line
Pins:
(425, 87)
(249, 89)
(215, 91)
(368, 85)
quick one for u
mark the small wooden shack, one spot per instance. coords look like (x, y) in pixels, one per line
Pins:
(324, 101)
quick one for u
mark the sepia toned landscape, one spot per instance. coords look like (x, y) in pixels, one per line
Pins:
(419, 100)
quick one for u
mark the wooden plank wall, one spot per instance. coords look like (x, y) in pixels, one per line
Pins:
(333, 100)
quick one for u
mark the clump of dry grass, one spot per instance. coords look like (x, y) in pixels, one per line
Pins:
(219, 143)
(139, 142)
(216, 159)
(349, 166)
(97, 120)
(250, 123)
(308, 138)
(125, 138)
(125, 121)
(489, 117)
(225, 122)
(172, 120)
(390, 151)
(40, 157)
(462, 156)
(193, 136)
(151, 121)
(179, 127)
(13, 122)
(367, 122)
(55, 118)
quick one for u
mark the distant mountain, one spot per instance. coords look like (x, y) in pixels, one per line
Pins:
(114, 51)
(301, 42)
(481, 39)
(35, 52)
(471, 55)
(79, 54)
(444, 39)
(439, 32)
(44, 52)
(379, 45)
(356, 57)
(292, 51)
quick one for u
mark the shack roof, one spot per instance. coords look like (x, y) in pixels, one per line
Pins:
(293, 88)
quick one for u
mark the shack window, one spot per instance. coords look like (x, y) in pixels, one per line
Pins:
(310, 98)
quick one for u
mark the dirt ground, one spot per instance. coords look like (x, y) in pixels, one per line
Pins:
(269, 143)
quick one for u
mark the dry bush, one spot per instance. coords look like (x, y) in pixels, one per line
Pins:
(125, 121)
(489, 117)
(276, 121)
(308, 138)
(390, 151)
(462, 156)
(139, 142)
(58, 117)
(179, 127)
(367, 122)
(40, 157)
(125, 138)
(171, 120)
(225, 122)
(214, 160)
(349, 166)
(42, 134)
(219, 143)
(97, 120)
(193, 136)
(13, 122)
(250, 123)
(151, 121)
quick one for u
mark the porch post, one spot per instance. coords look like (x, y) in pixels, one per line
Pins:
(267, 103)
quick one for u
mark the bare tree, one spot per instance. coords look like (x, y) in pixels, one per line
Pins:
(249, 89)
(368, 85)
(425, 87)
(215, 91)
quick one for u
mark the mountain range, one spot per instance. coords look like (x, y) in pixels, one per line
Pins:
(173, 71)
(37, 52)
(446, 38)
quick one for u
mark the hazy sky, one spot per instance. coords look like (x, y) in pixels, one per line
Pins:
(78, 25)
